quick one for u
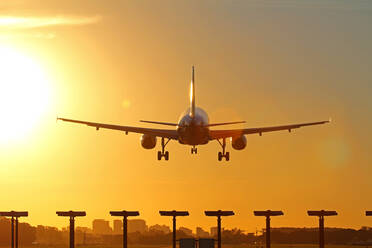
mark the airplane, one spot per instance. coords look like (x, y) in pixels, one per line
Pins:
(193, 129)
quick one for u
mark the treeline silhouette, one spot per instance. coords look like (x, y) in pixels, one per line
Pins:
(45, 235)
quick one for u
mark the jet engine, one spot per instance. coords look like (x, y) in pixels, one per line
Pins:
(239, 143)
(148, 141)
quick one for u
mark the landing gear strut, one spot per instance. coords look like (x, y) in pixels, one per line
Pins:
(223, 154)
(163, 153)
(194, 150)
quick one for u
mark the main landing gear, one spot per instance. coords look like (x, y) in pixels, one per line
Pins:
(163, 153)
(194, 150)
(223, 154)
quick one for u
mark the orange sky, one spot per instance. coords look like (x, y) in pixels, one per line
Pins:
(266, 62)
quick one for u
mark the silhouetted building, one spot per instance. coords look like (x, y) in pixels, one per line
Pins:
(101, 226)
(49, 235)
(118, 226)
(160, 228)
(185, 230)
(83, 229)
(137, 225)
(214, 231)
(201, 233)
(26, 231)
(366, 228)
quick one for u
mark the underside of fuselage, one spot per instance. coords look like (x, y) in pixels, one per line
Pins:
(193, 130)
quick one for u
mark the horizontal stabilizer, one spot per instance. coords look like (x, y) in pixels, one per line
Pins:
(209, 125)
(160, 123)
(224, 123)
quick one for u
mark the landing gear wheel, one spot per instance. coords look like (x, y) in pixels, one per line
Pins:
(163, 153)
(223, 154)
(227, 156)
(194, 150)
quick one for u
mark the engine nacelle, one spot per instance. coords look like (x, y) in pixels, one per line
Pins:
(239, 143)
(148, 141)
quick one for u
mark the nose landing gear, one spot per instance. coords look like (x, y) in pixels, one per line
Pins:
(223, 154)
(163, 153)
(194, 150)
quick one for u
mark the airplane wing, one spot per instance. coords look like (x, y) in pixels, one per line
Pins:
(220, 134)
(170, 134)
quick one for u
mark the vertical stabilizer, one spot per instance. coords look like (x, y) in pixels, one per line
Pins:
(192, 94)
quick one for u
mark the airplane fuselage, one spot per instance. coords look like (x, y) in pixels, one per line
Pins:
(193, 130)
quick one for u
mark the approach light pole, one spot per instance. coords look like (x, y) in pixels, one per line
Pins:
(14, 224)
(125, 215)
(268, 214)
(218, 214)
(174, 214)
(72, 215)
(321, 214)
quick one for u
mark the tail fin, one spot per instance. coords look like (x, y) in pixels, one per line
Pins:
(192, 94)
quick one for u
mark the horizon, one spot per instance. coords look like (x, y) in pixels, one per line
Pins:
(264, 62)
(179, 228)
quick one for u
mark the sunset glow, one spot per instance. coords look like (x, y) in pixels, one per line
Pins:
(268, 63)
(24, 95)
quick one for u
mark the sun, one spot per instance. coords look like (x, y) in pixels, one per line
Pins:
(24, 95)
